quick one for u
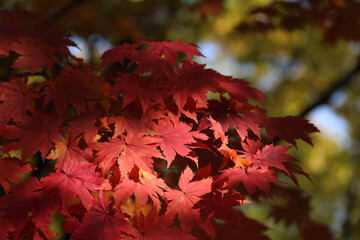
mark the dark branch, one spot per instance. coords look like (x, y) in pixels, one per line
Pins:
(325, 96)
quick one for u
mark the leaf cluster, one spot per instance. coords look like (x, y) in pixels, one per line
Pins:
(139, 150)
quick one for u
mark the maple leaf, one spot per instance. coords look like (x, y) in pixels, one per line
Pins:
(133, 125)
(133, 86)
(35, 134)
(267, 156)
(148, 62)
(220, 205)
(202, 173)
(239, 89)
(73, 178)
(231, 154)
(143, 185)
(10, 32)
(173, 138)
(119, 54)
(251, 147)
(17, 97)
(34, 53)
(183, 200)
(157, 227)
(229, 112)
(58, 41)
(28, 201)
(128, 151)
(170, 49)
(29, 231)
(218, 130)
(101, 222)
(191, 80)
(70, 87)
(85, 125)
(251, 178)
(9, 170)
(38, 45)
(67, 149)
(289, 128)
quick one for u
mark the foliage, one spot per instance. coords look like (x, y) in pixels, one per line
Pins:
(300, 72)
(138, 149)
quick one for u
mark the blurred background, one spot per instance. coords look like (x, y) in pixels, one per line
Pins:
(304, 55)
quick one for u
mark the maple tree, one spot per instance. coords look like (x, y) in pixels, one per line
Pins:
(163, 147)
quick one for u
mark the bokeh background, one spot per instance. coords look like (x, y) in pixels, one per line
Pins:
(304, 55)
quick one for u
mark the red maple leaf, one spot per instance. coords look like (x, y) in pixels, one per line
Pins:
(267, 156)
(35, 134)
(133, 86)
(229, 112)
(86, 125)
(251, 147)
(252, 179)
(119, 54)
(57, 40)
(10, 32)
(289, 128)
(183, 200)
(220, 205)
(157, 227)
(71, 87)
(128, 151)
(191, 80)
(170, 49)
(218, 130)
(148, 62)
(38, 45)
(9, 170)
(17, 97)
(143, 185)
(67, 149)
(202, 173)
(133, 126)
(34, 53)
(73, 178)
(101, 222)
(239, 89)
(174, 138)
(27, 201)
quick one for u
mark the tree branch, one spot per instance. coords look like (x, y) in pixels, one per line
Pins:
(325, 96)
